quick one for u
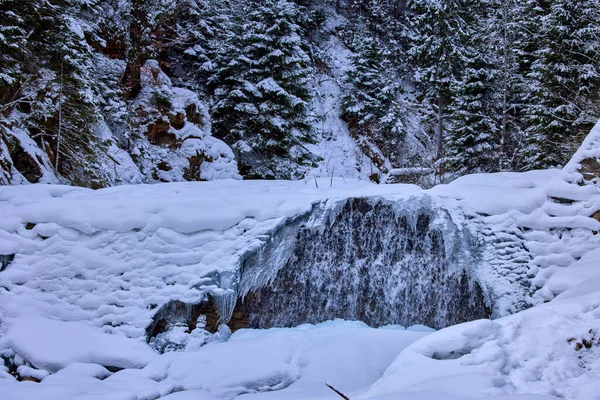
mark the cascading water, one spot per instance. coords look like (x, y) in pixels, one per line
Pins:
(379, 262)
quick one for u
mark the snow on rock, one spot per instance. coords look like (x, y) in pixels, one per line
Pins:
(34, 162)
(8, 173)
(53, 345)
(174, 142)
(111, 257)
(583, 166)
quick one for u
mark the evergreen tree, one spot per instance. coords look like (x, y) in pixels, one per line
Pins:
(563, 81)
(499, 31)
(51, 76)
(373, 105)
(196, 23)
(438, 37)
(261, 92)
(472, 141)
(474, 132)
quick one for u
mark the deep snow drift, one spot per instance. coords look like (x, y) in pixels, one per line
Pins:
(105, 261)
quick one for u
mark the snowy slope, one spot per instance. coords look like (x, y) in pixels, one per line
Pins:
(340, 154)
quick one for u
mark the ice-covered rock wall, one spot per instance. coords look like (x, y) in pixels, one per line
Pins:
(371, 260)
(116, 258)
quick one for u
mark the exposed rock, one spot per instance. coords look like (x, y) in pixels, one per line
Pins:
(590, 169)
(178, 312)
(5, 260)
(192, 173)
(192, 114)
(159, 135)
(174, 142)
(164, 166)
(29, 379)
(177, 120)
(24, 162)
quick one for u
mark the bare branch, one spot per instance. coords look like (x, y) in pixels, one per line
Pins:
(342, 395)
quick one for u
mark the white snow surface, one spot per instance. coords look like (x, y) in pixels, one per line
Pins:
(53, 345)
(291, 363)
(90, 265)
(109, 256)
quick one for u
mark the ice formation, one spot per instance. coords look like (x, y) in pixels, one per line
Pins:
(380, 262)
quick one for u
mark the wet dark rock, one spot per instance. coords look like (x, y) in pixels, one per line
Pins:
(177, 312)
(5, 260)
(28, 165)
(590, 170)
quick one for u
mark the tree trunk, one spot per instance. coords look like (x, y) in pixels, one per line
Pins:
(131, 80)
(505, 86)
(440, 136)
(60, 101)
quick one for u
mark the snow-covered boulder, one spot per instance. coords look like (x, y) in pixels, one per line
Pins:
(52, 345)
(174, 141)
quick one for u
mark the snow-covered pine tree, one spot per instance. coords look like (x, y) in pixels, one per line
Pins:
(474, 132)
(54, 56)
(499, 35)
(373, 106)
(149, 28)
(438, 35)
(562, 81)
(196, 23)
(261, 91)
(472, 143)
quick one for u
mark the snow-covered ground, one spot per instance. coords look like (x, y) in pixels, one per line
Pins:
(272, 364)
(83, 273)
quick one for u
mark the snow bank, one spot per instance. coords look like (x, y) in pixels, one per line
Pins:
(112, 257)
(53, 345)
(272, 364)
(552, 349)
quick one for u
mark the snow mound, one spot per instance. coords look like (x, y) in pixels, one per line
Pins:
(273, 364)
(552, 349)
(53, 345)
